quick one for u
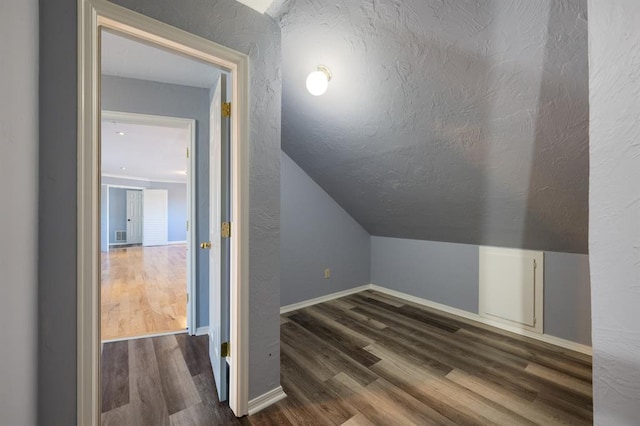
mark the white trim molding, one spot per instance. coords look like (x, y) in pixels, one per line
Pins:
(176, 243)
(266, 399)
(202, 331)
(93, 15)
(326, 298)
(145, 336)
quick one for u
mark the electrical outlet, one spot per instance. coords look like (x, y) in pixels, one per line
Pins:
(327, 273)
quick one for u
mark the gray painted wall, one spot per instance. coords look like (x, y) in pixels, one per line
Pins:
(448, 273)
(177, 208)
(18, 210)
(614, 229)
(458, 121)
(567, 296)
(148, 97)
(57, 213)
(316, 233)
(227, 23)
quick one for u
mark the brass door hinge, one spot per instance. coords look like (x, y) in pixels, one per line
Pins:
(226, 109)
(225, 350)
(226, 230)
(187, 297)
(187, 152)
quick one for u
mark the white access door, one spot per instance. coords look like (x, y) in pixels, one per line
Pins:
(155, 222)
(218, 257)
(134, 217)
(511, 287)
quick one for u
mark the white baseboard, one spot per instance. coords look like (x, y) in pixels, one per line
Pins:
(266, 399)
(201, 331)
(144, 336)
(171, 243)
(567, 344)
(326, 298)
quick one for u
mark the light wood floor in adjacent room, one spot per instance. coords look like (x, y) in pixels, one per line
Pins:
(144, 291)
(366, 359)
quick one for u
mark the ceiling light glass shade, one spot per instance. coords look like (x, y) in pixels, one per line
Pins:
(318, 81)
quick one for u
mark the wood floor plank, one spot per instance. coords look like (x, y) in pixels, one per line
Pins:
(177, 385)
(358, 420)
(416, 411)
(543, 415)
(217, 412)
(320, 357)
(115, 376)
(346, 343)
(564, 380)
(358, 396)
(195, 352)
(143, 291)
(568, 367)
(325, 404)
(331, 309)
(407, 311)
(148, 405)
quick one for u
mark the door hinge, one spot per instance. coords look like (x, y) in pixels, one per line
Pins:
(225, 350)
(187, 225)
(535, 264)
(226, 230)
(226, 109)
(187, 297)
(187, 152)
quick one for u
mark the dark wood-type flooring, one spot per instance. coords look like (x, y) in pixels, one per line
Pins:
(363, 359)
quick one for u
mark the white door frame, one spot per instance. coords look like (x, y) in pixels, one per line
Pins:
(92, 16)
(190, 125)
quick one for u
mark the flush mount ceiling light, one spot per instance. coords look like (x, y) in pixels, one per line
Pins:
(318, 80)
(120, 133)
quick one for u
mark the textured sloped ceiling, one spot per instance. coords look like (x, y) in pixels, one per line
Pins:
(450, 120)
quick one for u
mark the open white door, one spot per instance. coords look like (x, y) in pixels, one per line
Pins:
(155, 222)
(219, 254)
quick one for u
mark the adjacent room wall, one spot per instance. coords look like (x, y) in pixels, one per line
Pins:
(447, 273)
(18, 210)
(614, 228)
(316, 233)
(219, 20)
(177, 197)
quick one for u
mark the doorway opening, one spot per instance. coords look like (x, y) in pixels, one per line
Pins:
(224, 153)
(147, 204)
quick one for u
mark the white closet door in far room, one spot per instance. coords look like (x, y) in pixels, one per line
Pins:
(155, 223)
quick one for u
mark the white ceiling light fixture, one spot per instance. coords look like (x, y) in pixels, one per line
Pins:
(121, 133)
(318, 81)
